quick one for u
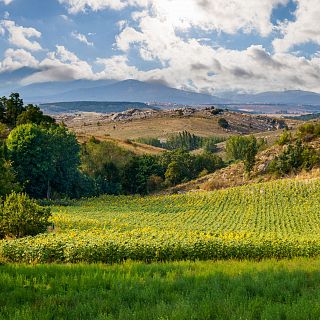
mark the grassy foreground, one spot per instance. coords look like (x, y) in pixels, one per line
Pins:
(181, 290)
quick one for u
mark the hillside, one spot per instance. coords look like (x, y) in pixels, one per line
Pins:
(136, 123)
(234, 174)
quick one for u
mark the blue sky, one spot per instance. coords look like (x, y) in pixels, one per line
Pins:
(201, 45)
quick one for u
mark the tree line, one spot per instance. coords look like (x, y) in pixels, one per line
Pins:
(45, 160)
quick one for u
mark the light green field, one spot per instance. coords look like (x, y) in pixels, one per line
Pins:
(273, 220)
(181, 290)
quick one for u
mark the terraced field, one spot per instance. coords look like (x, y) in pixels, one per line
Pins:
(271, 220)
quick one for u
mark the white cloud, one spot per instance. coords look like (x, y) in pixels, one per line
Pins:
(20, 36)
(7, 2)
(81, 38)
(61, 65)
(304, 29)
(216, 15)
(76, 6)
(117, 67)
(16, 59)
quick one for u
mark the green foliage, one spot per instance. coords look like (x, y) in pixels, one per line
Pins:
(174, 174)
(207, 161)
(181, 166)
(10, 109)
(210, 146)
(223, 123)
(3, 131)
(285, 138)
(137, 173)
(20, 216)
(155, 142)
(269, 289)
(104, 162)
(46, 160)
(236, 147)
(250, 156)
(7, 176)
(269, 220)
(243, 148)
(33, 114)
(294, 158)
(309, 131)
(13, 112)
(115, 170)
(184, 140)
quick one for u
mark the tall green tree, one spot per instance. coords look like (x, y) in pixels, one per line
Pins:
(13, 107)
(33, 114)
(243, 148)
(45, 160)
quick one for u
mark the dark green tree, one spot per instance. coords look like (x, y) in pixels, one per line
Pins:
(244, 149)
(45, 160)
(33, 114)
(250, 155)
(13, 107)
(137, 173)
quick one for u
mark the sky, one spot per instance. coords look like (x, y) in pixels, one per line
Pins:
(208, 46)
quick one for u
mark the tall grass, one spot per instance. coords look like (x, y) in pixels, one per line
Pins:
(184, 290)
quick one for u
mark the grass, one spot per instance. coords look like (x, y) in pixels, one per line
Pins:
(201, 290)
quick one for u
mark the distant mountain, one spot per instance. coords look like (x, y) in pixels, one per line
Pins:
(8, 79)
(91, 106)
(137, 91)
(290, 97)
(133, 90)
(39, 92)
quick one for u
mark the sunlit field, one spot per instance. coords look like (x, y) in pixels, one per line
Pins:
(273, 220)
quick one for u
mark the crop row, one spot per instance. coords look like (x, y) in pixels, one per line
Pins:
(271, 220)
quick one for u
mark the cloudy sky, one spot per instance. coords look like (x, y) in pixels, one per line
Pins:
(202, 45)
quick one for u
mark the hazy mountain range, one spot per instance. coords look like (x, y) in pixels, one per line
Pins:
(137, 91)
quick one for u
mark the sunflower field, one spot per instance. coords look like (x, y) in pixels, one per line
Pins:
(278, 219)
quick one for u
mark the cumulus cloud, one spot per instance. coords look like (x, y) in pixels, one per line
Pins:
(16, 59)
(20, 36)
(61, 65)
(82, 38)
(305, 28)
(251, 15)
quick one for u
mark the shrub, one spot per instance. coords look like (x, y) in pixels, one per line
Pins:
(223, 123)
(293, 159)
(21, 216)
(285, 138)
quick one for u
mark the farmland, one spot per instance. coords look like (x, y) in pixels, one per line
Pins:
(272, 220)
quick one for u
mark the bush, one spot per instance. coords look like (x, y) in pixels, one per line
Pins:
(285, 138)
(293, 159)
(223, 123)
(21, 216)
